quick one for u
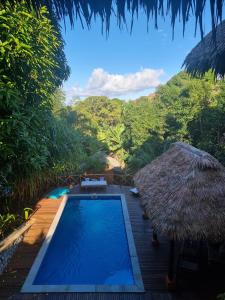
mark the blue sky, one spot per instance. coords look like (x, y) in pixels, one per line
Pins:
(125, 65)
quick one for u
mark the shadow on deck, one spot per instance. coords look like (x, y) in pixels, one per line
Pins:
(153, 260)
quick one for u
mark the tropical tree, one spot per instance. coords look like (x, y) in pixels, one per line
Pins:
(142, 119)
(101, 117)
(32, 64)
(113, 138)
(184, 109)
(37, 136)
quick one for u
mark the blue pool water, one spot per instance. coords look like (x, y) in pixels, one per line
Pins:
(58, 192)
(89, 245)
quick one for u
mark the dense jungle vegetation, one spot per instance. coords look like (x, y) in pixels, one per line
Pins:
(184, 109)
(42, 138)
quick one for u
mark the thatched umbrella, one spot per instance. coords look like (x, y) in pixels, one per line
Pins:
(183, 193)
(208, 54)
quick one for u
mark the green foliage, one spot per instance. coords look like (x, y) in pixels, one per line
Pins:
(113, 137)
(98, 111)
(31, 48)
(38, 140)
(58, 100)
(27, 211)
(142, 120)
(32, 65)
(221, 297)
(185, 109)
(102, 118)
(149, 150)
(7, 223)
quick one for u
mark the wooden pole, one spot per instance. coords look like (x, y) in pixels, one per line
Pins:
(171, 261)
(155, 240)
(170, 280)
(144, 214)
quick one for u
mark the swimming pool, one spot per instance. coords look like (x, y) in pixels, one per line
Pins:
(89, 248)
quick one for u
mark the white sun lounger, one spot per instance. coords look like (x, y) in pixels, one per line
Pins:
(93, 183)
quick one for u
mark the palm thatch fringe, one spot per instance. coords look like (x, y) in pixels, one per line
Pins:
(89, 9)
(208, 54)
(183, 193)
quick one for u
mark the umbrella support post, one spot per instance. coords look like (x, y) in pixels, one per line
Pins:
(155, 241)
(144, 215)
(170, 278)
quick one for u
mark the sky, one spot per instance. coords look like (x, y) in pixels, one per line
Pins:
(123, 64)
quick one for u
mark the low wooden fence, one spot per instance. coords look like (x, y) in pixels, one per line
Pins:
(111, 178)
(26, 192)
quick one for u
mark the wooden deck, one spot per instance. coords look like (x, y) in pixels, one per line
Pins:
(153, 260)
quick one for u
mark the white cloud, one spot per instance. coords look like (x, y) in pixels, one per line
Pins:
(103, 83)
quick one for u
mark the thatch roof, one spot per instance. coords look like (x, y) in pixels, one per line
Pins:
(88, 9)
(183, 192)
(208, 54)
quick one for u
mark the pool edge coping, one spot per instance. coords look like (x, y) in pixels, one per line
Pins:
(137, 287)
